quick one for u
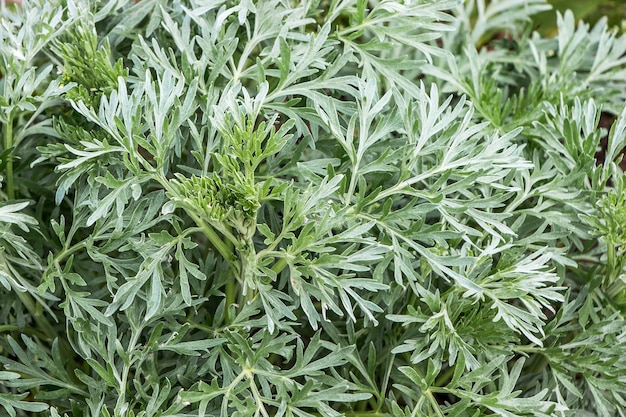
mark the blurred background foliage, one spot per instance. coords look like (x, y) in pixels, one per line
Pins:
(588, 10)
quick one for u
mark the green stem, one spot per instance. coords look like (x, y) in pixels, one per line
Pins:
(8, 144)
(279, 266)
(123, 382)
(434, 403)
(222, 247)
(352, 185)
(231, 294)
(385, 384)
(66, 252)
(610, 258)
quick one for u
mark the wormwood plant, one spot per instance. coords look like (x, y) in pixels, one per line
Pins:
(310, 208)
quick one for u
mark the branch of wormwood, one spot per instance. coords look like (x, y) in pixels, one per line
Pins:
(241, 263)
(368, 89)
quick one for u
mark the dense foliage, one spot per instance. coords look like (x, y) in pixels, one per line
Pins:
(310, 208)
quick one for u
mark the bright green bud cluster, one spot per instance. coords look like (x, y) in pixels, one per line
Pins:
(231, 201)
